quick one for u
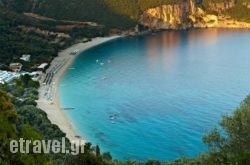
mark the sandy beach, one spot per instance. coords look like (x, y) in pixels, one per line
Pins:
(48, 93)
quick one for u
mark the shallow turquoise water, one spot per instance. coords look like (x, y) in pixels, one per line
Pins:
(156, 96)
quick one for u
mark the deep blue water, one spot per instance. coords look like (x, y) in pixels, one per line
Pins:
(157, 95)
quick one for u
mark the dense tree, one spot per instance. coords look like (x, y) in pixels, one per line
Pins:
(20, 34)
(231, 145)
(153, 162)
(107, 156)
(89, 157)
(97, 150)
(8, 118)
(5, 103)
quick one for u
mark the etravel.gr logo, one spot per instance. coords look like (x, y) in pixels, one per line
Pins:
(46, 146)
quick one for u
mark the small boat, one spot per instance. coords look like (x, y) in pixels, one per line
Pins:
(111, 117)
(97, 61)
(101, 63)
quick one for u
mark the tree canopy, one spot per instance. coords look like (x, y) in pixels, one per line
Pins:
(231, 145)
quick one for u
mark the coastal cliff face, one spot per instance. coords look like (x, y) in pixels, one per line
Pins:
(187, 14)
(177, 16)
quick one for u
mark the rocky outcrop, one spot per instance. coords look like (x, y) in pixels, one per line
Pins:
(247, 4)
(164, 17)
(222, 6)
(178, 16)
(227, 22)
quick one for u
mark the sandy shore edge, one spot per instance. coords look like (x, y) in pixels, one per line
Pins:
(51, 103)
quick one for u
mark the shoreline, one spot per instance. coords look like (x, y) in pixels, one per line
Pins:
(49, 100)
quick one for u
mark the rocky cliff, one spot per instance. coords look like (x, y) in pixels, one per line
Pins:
(188, 14)
(156, 14)
(221, 6)
(176, 16)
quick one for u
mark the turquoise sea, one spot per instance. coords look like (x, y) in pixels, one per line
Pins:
(155, 96)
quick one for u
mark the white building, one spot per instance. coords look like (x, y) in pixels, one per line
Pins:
(16, 67)
(42, 67)
(25, 57)
(6, 77)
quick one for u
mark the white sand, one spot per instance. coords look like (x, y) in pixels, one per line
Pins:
(52, 105)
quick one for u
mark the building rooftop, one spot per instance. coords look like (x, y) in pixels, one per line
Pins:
(42, 66)
(16, 67)
(6, 76)
(25, 57)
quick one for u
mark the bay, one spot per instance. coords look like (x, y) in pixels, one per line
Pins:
(155, 96)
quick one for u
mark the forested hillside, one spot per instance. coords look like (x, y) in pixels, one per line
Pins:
(14, 42)
(119, 13)
(42, 39)
(81, 10)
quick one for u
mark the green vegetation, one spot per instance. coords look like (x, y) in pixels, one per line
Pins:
(239, 12)
(122, 14)
(41, 39)
(23, 91)
(29, 122)
(19, 116)
(233, 145)
(24, 120)
(81, 10)
(230, 144)
(8, 118)
(14, 42)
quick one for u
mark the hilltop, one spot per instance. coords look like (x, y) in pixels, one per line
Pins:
(124, 14)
